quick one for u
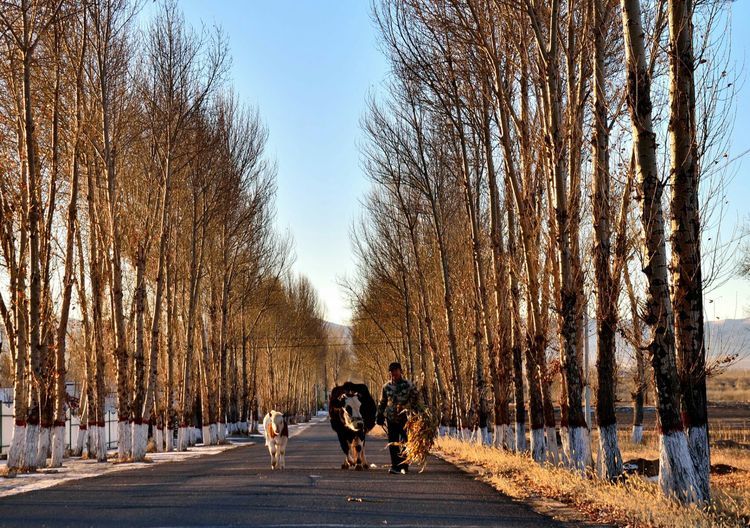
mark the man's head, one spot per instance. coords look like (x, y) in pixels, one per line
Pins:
(396, 372)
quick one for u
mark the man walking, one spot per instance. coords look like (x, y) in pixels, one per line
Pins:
(399, 396)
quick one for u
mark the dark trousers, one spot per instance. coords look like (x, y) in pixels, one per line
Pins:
(396, 433)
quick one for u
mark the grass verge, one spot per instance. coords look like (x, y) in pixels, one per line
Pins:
(632, 502)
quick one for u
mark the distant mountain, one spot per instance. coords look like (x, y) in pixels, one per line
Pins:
(730, 336)
(724, 337)
(339, 334)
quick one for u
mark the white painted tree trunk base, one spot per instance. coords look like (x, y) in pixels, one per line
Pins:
(206, 434)
(193, 437)
(480, 435)
(159, 439)
(31, 447)
(676, 471)
(15, 452)
(92, 441)
(565, 447)
(43, 447)
(101, 444)
(498, 436)
(538, 446)
(609, 463)
(553, 449)
(504, 437)
(80, 441)
(580, 448)
(510, 438)
(221, 432)
(139, 436)
(182, 439)
(214, 430)
(700, 453)
(521, 446)
(168, 440)
(124, 440)
(636, 435)
(58, 446)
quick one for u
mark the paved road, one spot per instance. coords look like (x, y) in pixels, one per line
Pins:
(238, 488)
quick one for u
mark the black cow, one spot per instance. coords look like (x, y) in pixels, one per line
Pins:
(352, 412)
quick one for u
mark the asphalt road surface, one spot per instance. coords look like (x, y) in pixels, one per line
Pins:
(238, 488)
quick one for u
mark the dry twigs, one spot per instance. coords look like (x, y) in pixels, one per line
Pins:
(421, 431)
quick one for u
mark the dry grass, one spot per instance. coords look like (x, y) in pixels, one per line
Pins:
(633, 502)
(732, 487)
(727, 433)
(730, 386)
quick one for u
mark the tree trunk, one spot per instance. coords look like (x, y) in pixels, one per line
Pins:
(169, 403)
(426, 310)
(21, 386)
(639, 379)
(96, 259)
(196, 270)
(245, 398)
(676, 471)
(208, 409)
(580, 450)
(150, 399)
(115, 251)
(33, 213)
(534, 339)
(687, 295)
(606, 301)
(68, 278)
(87, 415)
(501, 354)
(139, 431)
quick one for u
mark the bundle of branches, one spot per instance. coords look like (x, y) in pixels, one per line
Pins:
(421, 430)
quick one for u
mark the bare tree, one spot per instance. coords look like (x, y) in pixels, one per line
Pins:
(687, 277)
(677, 474)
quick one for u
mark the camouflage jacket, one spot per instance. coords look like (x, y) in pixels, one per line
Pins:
(398, 397)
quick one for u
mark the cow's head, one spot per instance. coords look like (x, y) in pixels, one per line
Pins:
(350, 405)
(277, 422)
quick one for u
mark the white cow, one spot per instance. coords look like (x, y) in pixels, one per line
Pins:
(276, 431)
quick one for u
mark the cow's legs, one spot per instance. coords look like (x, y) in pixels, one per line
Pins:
(362, 458)
(351, 458)
(356, 454)
(272, 449)
(282, 452)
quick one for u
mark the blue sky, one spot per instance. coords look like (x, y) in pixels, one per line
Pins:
(732, 300)
(309, 66)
